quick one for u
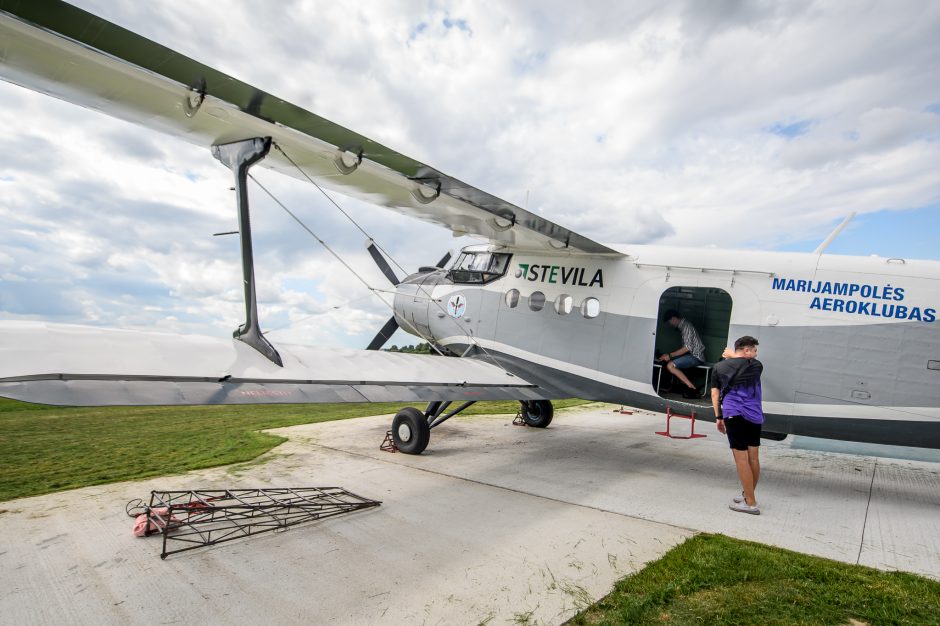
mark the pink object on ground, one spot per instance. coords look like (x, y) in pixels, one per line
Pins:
(145, 525)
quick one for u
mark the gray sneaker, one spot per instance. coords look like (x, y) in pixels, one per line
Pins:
(739, 498)
(744, 507)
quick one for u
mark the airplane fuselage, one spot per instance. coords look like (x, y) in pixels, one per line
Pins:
(850, 345)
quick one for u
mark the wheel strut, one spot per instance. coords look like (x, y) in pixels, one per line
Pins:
(435, 412)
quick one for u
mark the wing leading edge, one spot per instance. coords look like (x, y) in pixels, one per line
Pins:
(81, 366)
(58, 49)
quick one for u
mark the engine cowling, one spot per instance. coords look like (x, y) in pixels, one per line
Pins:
(413, 302)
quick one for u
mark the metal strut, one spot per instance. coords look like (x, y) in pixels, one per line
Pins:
(435, 410)
(239, 156)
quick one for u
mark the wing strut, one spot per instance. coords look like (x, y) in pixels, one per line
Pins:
(238, 157)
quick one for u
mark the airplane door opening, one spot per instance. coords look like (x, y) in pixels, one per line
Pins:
(708, 310)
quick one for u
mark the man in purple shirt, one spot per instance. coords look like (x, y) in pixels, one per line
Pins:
(736, 398)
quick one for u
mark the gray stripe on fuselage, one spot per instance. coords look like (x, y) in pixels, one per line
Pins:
(557, 384)
(862, 365)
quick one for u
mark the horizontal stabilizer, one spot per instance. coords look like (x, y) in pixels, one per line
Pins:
(84, 366)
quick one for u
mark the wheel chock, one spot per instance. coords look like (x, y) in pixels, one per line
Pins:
(388, 444)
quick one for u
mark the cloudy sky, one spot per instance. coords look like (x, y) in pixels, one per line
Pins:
(752, 125)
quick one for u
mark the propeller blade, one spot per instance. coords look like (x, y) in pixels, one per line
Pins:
(383, 264)
(444, 261)
(383, 335)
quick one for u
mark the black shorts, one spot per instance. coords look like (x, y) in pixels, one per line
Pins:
(742, 434)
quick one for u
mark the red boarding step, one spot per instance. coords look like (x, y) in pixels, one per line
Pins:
(669, 416)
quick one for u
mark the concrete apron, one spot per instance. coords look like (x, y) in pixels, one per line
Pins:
(494, 522)
(879, 512)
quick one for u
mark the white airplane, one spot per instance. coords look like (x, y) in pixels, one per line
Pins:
(851, 345)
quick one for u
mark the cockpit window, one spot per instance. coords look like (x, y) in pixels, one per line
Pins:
(478, 267)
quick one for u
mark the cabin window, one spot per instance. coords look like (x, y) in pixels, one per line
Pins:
(590, 308)
(563, 304)
(512, 298)
(478, 267)
(537, 301)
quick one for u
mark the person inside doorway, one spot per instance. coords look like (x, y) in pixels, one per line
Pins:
(689, 355)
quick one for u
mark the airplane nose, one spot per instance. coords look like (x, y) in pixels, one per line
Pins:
(415, 289)
(413, 302)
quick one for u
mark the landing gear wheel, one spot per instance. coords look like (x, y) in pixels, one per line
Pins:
(410, 431)
(537, 413)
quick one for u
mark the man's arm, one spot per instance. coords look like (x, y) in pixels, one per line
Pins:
(668, 356)
(719, 422)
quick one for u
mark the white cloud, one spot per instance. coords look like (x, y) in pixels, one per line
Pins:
(676, 122)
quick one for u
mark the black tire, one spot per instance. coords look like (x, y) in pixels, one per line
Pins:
(411, 431)
(537, 413)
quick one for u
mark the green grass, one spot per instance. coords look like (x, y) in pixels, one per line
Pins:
(45, 449)
(713, 579)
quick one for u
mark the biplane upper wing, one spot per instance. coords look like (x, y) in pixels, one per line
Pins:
(61, 50)
(57, 49)
(82, 366)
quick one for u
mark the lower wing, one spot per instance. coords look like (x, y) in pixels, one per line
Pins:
(82, 366)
